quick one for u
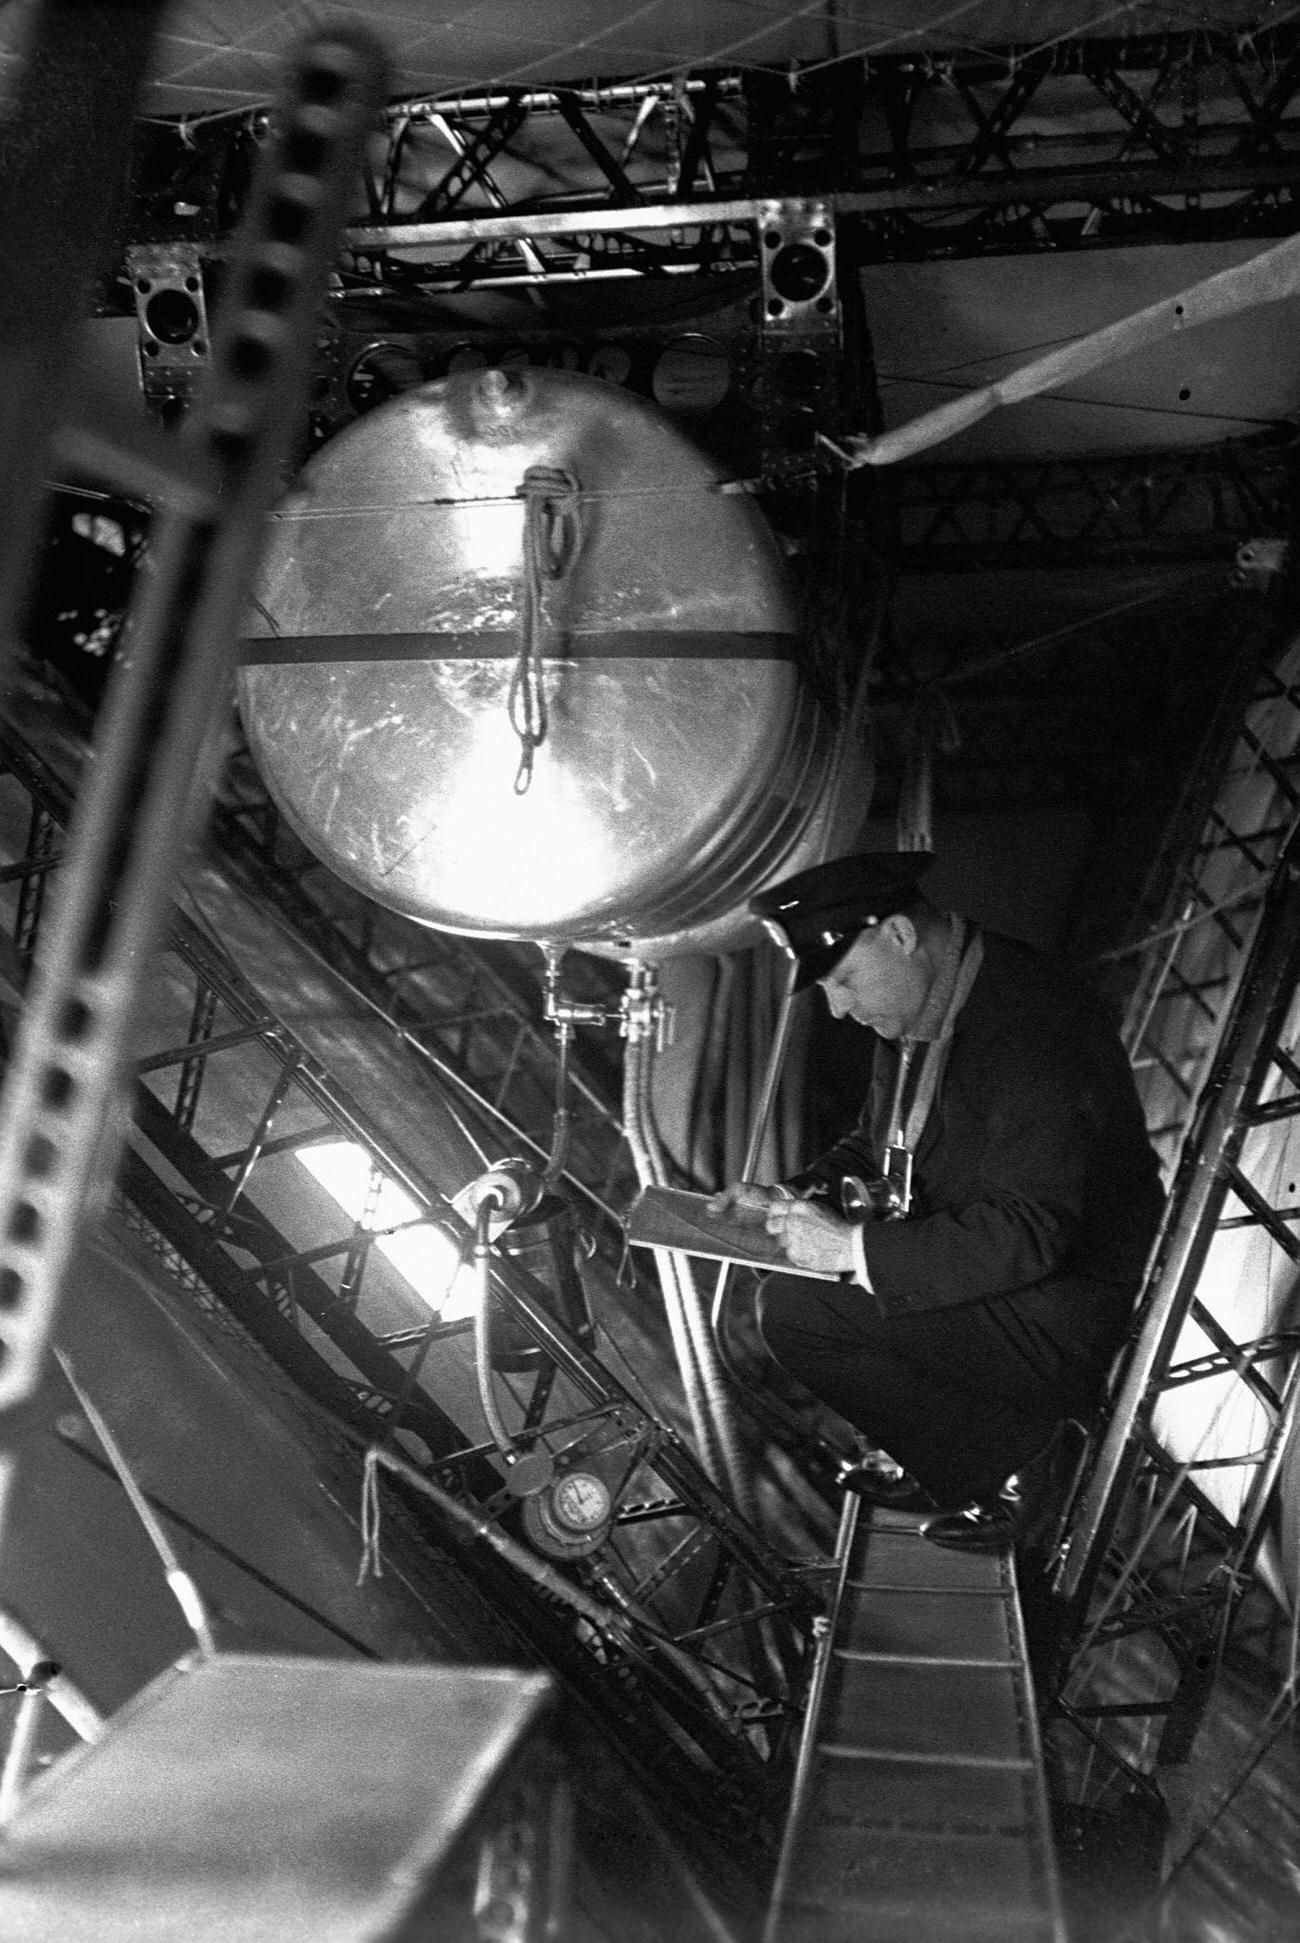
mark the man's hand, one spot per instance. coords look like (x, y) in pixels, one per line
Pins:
(746, 1199)
(812, 1238)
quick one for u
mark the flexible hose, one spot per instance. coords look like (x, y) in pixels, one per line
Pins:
(706, 1399)
(561, 1119)
(649, 1174)
(500, 1436)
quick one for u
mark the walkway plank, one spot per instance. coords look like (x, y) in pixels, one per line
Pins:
(920, 1809)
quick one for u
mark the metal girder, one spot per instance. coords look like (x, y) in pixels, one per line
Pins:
(1086, 144)
(1166, 1536)
(1207, 890)
(1202, 503)
(699, 1664)
(1180, 137)
(471, 1013)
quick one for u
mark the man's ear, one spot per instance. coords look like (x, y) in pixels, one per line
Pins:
(901, 932)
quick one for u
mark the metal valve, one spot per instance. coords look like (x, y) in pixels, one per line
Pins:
(644, 1013)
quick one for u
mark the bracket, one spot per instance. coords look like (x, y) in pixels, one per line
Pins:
(172, 322)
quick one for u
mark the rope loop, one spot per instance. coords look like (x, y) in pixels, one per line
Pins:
(552, 539)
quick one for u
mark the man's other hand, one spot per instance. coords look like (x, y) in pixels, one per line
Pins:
(746, 1199)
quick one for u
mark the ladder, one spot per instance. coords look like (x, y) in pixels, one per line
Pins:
(918, 1808)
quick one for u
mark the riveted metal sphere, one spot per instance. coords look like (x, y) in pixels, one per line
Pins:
(518, 666)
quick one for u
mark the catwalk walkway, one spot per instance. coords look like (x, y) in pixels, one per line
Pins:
(919, 1810)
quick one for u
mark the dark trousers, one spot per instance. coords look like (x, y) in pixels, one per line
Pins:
(960, 1396)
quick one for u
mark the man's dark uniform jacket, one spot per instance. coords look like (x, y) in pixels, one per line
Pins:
(1035, 1194)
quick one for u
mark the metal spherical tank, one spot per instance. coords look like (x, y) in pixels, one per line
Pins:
(518, 665)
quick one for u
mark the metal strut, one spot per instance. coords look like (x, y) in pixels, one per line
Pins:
(59, 1129)
(1238, 1098)
(1168, 1535)
(210, 1177)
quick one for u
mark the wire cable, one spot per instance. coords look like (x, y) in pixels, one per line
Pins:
(182, 1586)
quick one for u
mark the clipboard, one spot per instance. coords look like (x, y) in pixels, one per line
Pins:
(674, 1217)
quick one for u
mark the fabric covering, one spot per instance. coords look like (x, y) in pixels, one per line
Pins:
(997, 1306)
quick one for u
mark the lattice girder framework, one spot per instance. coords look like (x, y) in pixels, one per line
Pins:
(1211, 896)
(696, 1656)
(473, 1016)
(1170, 1541)
(1199, 504)
(1085, 144)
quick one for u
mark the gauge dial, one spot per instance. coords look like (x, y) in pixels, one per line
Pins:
(580, 1500)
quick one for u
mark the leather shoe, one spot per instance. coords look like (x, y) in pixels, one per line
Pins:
(987, 1525)
(1021, 1512)
(893, 1490)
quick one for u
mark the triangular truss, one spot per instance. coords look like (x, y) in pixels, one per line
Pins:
(1171, 1567)
(677, 1626)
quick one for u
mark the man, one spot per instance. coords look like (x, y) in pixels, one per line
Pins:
(988, 1219)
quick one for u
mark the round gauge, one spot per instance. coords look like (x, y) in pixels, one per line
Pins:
(610, 362)
(468, 357)
(580, 1500)
(380, 373)
(693, 374)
